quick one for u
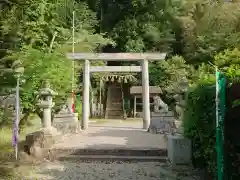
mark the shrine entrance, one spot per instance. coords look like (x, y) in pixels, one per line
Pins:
(143, 57)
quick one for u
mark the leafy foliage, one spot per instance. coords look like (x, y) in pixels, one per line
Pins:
(208, 28)
(41, 32)
(148, 27)
(35, 22)
(229, 62)
(194, 34)
(199, 117)
(42, 66)
(169, 75)
(199, 124)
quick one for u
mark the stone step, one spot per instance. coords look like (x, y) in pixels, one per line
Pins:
(114, 112)
(162, 114)
(110, 158)
(115, 107)
(63, 115)
(115, 117)
(115, 88)
(111, 152)
(65, 121)
(65, 118)
(115, 91)
(114, 103)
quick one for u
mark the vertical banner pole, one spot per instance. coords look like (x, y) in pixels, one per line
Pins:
(220, 113)
(16, 121)
(100, 97)
(73, 62)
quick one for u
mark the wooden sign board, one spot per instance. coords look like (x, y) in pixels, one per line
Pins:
(116, 56)
(115, 69)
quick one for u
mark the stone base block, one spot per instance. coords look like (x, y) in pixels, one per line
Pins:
(38, 143)
(179, 127)
(71, 127)
(161, 126)
(162, 114)
(67, 123)
(179, 150)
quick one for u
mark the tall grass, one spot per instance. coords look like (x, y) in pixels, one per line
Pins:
(8, 171)
(6, 137)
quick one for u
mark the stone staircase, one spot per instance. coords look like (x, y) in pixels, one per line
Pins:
(114, 104)
(111, 141)
(110, 155)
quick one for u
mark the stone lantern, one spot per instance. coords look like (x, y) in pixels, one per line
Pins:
(46, 103)
(180, 102)
(179, 147)
(37, 143)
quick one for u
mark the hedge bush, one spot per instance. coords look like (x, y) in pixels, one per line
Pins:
(199, 125)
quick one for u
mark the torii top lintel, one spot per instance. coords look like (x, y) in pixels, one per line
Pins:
(117, 56)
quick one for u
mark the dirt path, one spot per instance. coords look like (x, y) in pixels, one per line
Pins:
(115, 134)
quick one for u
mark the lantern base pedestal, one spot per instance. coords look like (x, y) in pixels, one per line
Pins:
(179, 150)
(38, 143)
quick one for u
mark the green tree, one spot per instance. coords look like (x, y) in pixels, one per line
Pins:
(229, 62)
(209, 27)
(41, 32)
(148, 26)
(169, 75)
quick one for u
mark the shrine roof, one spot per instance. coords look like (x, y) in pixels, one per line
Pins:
(152, 90)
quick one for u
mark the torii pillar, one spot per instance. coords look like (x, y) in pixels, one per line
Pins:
(145, 94)
(86, 88)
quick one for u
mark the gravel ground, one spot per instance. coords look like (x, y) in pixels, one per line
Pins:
(97, 171)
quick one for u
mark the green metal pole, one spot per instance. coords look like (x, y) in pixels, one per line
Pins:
(220, 112)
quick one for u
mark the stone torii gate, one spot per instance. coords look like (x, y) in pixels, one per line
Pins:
(143, 57)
